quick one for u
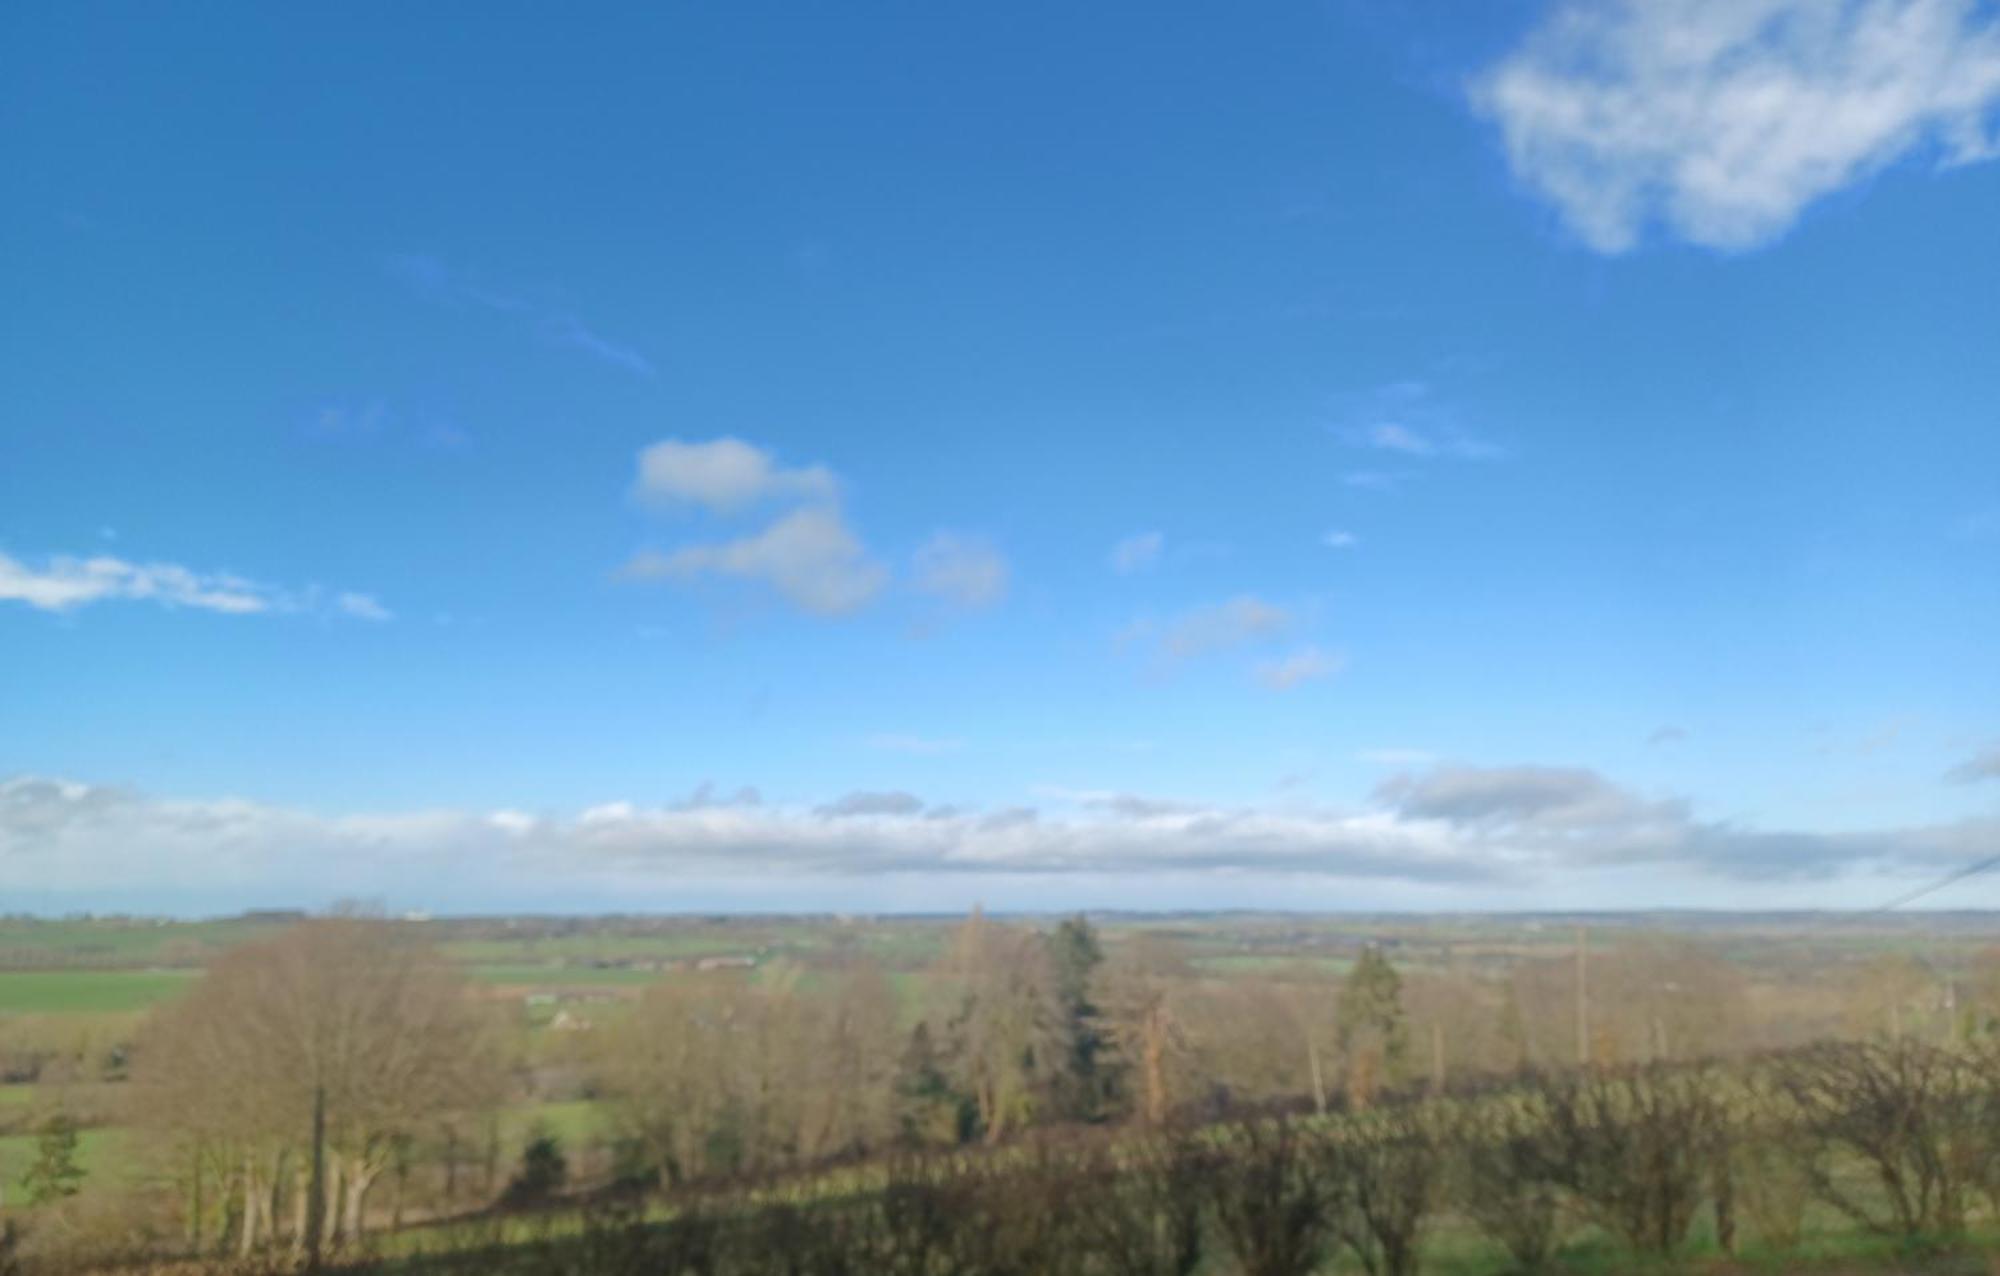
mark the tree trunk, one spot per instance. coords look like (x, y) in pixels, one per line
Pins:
(195, 1206)
(335, 1234)
(301, 1204)
(1319, 1081)
(1155, 1060)
(360, 1176)
(247, 1240)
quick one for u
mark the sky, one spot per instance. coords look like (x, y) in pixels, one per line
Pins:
(1348, 455)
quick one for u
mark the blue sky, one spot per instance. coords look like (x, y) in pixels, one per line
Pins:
(1350, 455)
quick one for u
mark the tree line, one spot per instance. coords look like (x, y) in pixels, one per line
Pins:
(338, 1079)
(1899, 1137)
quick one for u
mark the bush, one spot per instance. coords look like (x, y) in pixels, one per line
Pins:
(1922, 1119)
(1389, 1165)
(1145, 1218)
(1636, 1148)
(1272, 1200)
(543, 1174)
(1504, 1183)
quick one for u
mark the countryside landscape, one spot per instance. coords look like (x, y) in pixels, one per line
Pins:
(925, 638)
(659, 1094)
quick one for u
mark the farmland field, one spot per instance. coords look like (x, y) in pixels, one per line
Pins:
(55, 992)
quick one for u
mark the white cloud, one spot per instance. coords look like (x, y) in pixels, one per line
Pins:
(64, 583)
(1721, 120)
(891, 802)
(1525, 827)
(1392, 437)
(362, 607)
(1984, 765)
(1137, 552)
(1229, 624)
(1307, 664)
(725, 475)
(1336, 539)
(809, 556)
(1410, 419)
(965, 571)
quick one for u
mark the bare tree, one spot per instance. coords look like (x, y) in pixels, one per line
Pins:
(1922, 1119)
(1002, 1023)
(1143, 982)
(344, 1026)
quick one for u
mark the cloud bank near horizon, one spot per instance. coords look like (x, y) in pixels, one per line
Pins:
(1519, 834)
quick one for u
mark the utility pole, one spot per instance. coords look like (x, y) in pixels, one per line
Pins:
(1582, 998)
(316, 1196)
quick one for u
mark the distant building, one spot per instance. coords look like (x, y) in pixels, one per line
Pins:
(725, 963)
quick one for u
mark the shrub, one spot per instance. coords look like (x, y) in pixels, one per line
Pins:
(1635, 1148)
(1921, 1118)
(1504, 1184)
(1272, 1200)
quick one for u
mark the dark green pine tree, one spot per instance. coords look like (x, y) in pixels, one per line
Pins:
(544, 1170)
(928, 1110)
(1371, 1017)
(1085, 1079)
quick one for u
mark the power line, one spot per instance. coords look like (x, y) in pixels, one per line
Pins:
(1951, 878)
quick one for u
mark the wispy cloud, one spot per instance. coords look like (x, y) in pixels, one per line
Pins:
(967, 572)
(568, 330)
(361, 607)
(1207, 630)
(1307, 664)
(1336, 539)
(1720, 121)
(1410, 420)
(433, 278)
(1137, 552)
(1984, 765)
(64, 583)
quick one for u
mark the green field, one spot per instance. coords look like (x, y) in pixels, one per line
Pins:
(49, 992)
(533, 976)
(104, 1155)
